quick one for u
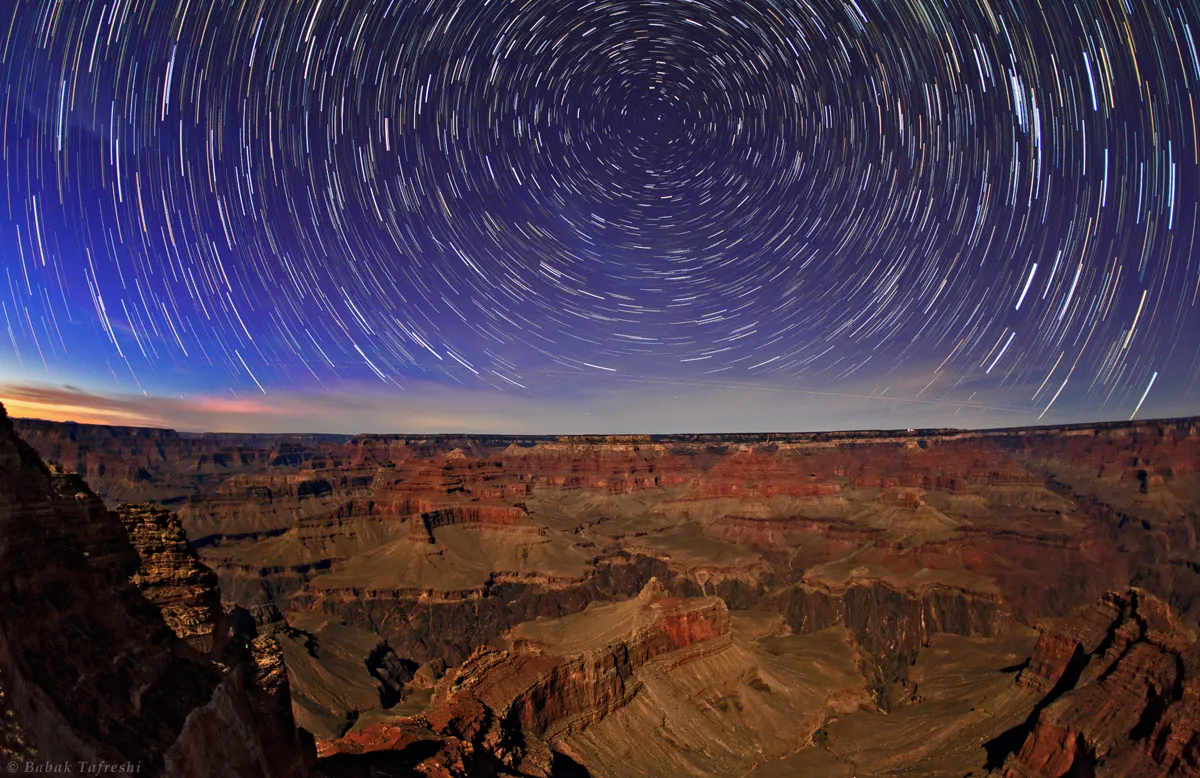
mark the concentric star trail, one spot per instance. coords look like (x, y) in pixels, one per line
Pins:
(993, 200)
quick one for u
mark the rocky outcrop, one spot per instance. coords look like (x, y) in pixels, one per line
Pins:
(595, 655)
(92, 671)
(246, 727)
(1122, 694)
(15, 743)
(173, 579)
(552, 677)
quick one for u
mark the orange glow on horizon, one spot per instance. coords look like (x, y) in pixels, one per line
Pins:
(192, 413)
(33, 409)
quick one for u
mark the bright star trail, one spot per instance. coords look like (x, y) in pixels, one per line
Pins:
(845, 214)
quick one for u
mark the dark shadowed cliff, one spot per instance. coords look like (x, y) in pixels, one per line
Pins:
(112, 652)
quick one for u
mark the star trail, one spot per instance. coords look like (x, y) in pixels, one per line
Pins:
(974, 213)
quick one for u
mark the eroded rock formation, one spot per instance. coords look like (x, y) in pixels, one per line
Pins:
(173, 579)
(891, 626)
(1122, 694)
(91, 669)
(553, 678)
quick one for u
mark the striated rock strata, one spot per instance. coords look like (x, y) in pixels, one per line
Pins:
(172, 577)
(440, 544)
(1122, 694)
(892, 625)
(552, 678)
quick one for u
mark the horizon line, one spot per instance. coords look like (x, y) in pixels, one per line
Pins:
(907, 431)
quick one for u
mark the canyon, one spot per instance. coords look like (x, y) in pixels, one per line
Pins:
(931, 602)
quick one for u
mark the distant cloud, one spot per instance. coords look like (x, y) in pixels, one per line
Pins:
(436, 409)
(72, 404)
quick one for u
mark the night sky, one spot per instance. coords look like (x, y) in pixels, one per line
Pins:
(602, 216)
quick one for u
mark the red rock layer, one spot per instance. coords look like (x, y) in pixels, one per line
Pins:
(504, 702)
(1123, 694)
(572, 692)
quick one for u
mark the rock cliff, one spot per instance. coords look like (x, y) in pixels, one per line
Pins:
(173, 579)
(547, 680)
(891, 626)
(1122, 694)
(93, 671)
(440, 544)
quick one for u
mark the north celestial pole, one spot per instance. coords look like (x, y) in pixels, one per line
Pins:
(604, 215)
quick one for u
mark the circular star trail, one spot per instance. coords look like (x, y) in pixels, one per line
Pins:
(992, 203)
